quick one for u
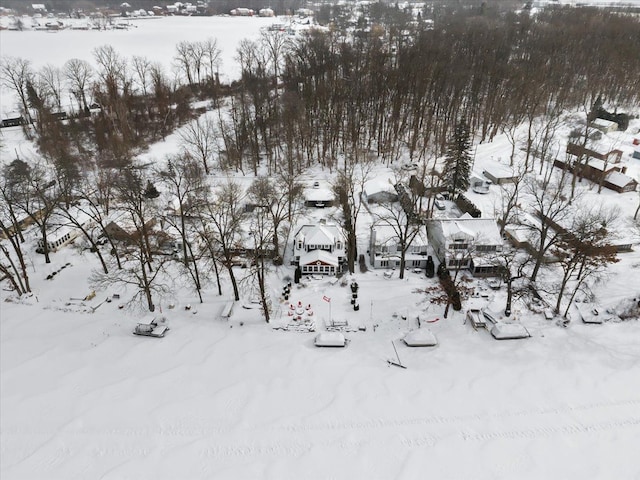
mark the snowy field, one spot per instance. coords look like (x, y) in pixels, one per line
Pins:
(81, 397)
(84, 398)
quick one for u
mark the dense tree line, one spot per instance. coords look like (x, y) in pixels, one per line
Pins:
(329, 98)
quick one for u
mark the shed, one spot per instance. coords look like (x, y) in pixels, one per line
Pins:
(620, 182)
(500, 174)
(605, 126)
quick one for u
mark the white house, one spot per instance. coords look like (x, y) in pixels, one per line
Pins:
(605, 126)
(319, 249)
(385, 250)
(466, 243)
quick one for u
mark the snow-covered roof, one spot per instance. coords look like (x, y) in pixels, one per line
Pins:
(519, 233)
(385, 233)
(601, 122)
(483, 229)
(619, 179)
(318, 194)
(319, 255)
(500, 171)
(321, 234)
(598, 164)
(378, 185)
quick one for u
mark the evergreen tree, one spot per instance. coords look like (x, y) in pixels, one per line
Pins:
(458, 160)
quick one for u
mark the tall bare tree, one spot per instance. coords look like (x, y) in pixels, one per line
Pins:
(198, 139)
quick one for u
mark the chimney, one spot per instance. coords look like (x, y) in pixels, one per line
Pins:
(624, 169)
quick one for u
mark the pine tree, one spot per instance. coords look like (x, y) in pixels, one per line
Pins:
(458, 160)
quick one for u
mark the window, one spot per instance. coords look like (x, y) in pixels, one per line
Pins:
(457, 262)
(459, 246)
(384, 263)
(415, 263)
(485, 248)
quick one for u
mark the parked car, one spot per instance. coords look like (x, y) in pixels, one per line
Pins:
(439, 204)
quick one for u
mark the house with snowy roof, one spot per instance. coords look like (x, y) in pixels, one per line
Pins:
(318, 197)
(385, 248)
(379, 191)
(605, 126)
(467, 243)
(500, 174)
(319, 249)
(613, 177)
(620, 182)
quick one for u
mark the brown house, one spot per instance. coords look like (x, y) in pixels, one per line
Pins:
(598, 171)
(126, 232)
(614, 156)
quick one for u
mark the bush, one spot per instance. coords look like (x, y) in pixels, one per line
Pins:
(467, 206)
(363, 264)
(430, 268)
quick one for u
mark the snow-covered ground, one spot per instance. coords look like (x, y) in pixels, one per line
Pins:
(82, 397)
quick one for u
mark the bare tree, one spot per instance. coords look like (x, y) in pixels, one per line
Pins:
(79, 75)
(272, 199)
(221, 226)
(584, 249)
(142, 69)
(37, 196)
(51, 78)
(551, 204)
(16, 73)
(140, 269)
(212, 59)
(199, 140)
(261, 230)
(12, 231)
(508, 201)
(405, 228)
(348, 187)
(184, 180)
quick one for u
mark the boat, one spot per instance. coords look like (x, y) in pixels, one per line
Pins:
(151, 327)
(421, 337)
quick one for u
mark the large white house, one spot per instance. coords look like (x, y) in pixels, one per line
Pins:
(467, 243)
(385, 250)
(319, 249)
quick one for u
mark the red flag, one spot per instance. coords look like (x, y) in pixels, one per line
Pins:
(326, 299)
